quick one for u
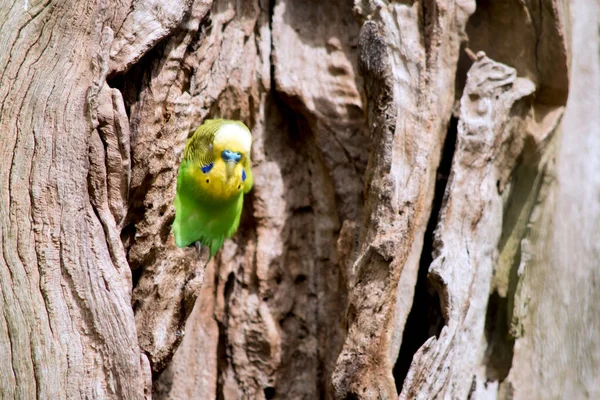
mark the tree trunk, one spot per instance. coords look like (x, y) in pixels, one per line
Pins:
(423, 222)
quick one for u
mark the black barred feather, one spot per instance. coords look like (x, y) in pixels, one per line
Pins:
(199, 143)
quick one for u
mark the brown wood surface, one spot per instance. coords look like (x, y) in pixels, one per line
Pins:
(424, 221)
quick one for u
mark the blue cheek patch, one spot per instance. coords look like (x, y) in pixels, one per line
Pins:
(243, 175)
(207, 168)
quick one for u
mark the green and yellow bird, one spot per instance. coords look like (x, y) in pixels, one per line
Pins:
(213, 177)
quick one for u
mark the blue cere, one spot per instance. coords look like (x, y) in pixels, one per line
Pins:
(229, 155)
(207, 168)
(243, 175)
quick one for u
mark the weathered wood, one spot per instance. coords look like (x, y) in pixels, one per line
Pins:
(349, 105)
(490, 139)
(168, 278)
(555, 322)
(409, 74)
(67, 328)
(336, 146)
(67, 187)
(478, 269)
(279, 288)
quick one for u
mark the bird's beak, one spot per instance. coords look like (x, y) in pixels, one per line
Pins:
(231, 158)
(229, 168)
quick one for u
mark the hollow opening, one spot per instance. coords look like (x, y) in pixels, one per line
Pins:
(269, 392)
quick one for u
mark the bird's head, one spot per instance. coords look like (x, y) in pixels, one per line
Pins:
(232, 144)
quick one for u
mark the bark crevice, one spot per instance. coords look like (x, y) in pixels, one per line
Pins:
(426, 318)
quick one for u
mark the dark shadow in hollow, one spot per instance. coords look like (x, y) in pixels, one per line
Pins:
(499, 353)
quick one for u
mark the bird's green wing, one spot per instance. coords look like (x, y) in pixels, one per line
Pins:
(199, 143)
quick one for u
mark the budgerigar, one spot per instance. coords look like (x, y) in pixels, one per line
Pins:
(213, 177)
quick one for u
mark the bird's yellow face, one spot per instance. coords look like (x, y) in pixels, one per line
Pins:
(225, 177)
(232, 147)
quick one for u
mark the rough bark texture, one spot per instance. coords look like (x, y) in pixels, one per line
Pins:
(423, 222)
(409, 70)
(490, 138)
(556, 305)
(67, 327)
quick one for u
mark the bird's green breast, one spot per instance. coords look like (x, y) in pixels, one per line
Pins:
(208, 204)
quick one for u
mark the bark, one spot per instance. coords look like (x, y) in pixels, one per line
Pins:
(68, 329)
(422, 223)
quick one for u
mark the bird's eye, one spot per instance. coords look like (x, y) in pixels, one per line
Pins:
(207, 168)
